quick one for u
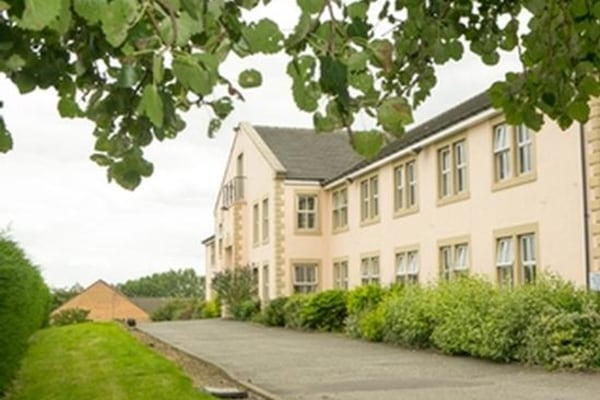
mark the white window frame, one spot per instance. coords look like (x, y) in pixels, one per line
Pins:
(407, 266)
(265, 219)
(445, 172)
(524, 150)
(255, 223)
(454, 258)
(340, 274)
(369, 199)
(339, 206)
(460, 159)
(505, 260)
(405, 186)
(369, 270)
(305, 284)
(528, 257)
(304, 214)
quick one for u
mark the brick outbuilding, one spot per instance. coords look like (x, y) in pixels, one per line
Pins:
(105, 303)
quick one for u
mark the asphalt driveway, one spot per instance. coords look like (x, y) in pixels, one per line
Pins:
(316, 366)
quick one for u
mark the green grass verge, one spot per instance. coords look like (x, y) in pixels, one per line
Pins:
(97, 361)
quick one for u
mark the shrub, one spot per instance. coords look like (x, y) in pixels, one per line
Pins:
(70, 316)
(371, 323)
(325, 311)
(234, 287)
(24, 306)
(408, 317)
(169, 311)
(363, 298)
(273, 313)
(211, 309)
(461, 310)
(245, 310)
(294, 317)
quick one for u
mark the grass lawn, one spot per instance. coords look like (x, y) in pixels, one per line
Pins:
(97, 361)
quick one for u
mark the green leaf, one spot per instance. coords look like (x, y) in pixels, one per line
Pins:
(263, 37)
(129, 75)
(63, 22)
(90, 10)
(116, 19)
(368, 143)
(579, 111)
(68, 108)
(358, 10)
(152, 105)
(358, 61)
(578, 8)
(6, 143)
(324, 123)
(301, 31)
(250, 78)
(334, 77)
(213, 126)
(311, 6)
(191, 75)
(394, 114)
(39, 13)
(590, 86)
(101, 159)
(596, 9)
(192, 7)
(222, 107)
(158, 69)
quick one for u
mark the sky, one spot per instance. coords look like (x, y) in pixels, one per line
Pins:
(79, 228)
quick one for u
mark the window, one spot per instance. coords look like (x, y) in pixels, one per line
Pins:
(405, 186)
(369, 270)
(513, 154)
(255, 224)
(369, 199)
(407, 267)
(505, 261)
(453, 171)
(306, 212)
(305, 278)
(340, 274)
(454, 259)
(516, 261)
(265, 282)
(339, 200)
(265, 220)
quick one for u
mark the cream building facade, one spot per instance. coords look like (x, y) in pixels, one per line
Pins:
(462, 192)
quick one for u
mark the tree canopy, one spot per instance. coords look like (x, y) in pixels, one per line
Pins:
(133, 67)
(182, 283)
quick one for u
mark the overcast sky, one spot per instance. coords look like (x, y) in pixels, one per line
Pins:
(79, 228)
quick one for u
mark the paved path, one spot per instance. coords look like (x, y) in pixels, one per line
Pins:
(315, 366)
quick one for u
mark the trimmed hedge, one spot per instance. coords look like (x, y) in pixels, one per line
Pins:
(24, 307)
(185, 309)
(551, 323)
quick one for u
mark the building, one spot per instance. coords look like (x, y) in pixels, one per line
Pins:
(105, 303)
(462, 192)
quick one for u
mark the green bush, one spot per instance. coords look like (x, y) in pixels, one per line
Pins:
(293, 311)
(460, 314)
(325, 311)
(245, 310)
(169, 311)
(211, 309)
(371, 323)
(24, 306)
(70, 316)
(273, 313)
(364, 298)
(236, 288)
(408, 317)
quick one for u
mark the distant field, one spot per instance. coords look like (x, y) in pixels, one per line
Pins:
(97, 362)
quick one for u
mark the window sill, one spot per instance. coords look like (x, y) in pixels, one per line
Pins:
(402, 212)
(368, 222)
(512, 182)
(453, 199)
(307, 232)
(342, 229)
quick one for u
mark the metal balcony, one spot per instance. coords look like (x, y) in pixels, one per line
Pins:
(233, 191)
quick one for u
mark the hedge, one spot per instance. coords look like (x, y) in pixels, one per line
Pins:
(551, 323)
(24, 307)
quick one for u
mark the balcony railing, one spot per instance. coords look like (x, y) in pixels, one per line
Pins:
(233, 191)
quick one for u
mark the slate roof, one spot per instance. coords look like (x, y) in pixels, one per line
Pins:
(326, 157)
(307, 155)
(462, 111)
